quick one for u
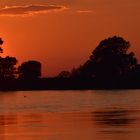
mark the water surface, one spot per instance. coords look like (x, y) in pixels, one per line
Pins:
(70, 115)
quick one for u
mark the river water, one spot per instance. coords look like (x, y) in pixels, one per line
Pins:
(70, 115)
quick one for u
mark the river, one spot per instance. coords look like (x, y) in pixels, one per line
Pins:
(70, 115)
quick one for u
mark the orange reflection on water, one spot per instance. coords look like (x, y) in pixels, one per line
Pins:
(107, 124)
(43, 126)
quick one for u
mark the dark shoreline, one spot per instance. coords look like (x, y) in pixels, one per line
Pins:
(64, 84)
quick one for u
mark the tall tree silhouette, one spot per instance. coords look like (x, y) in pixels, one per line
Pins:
(7, 65)
(110, 60)
(1, 42)
(30, 70)
(7, 68)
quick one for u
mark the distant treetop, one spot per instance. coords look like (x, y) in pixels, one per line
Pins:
(1, 42)
(109, 61)
(30, 70)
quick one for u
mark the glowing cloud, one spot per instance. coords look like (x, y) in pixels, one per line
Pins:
(85, 11)
(29, 9)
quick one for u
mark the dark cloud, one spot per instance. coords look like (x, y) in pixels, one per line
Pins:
(29, 9)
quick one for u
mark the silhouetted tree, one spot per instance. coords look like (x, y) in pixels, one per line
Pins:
(109, 61)
(1, 42)
(135, 75)
(8, 67)
(76, 72)
(30, 70)
(64, 74)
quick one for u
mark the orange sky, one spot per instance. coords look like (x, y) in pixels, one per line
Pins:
(61, 34)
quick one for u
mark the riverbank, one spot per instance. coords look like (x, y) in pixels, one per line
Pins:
(64, 84)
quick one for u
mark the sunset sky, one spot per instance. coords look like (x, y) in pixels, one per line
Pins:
(61, 34)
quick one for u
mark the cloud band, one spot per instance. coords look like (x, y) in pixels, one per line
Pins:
(29, 9)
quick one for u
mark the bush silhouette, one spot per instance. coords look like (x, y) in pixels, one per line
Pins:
(30, 70)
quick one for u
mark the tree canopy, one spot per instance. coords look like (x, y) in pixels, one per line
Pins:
(109, 60)
(1, 42)
(64, 74)
(7, 65)
(30, 70)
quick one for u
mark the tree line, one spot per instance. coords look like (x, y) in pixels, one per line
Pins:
(110, 62)
(27, 70)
